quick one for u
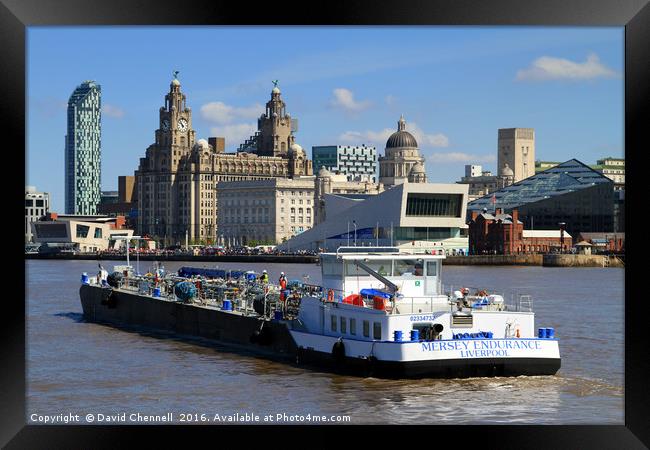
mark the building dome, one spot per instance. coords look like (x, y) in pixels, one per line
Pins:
(401, 138)
(417, 168)
(175, 82)
(324, 173)
(202, 144)
(296, 150)
(507, 171)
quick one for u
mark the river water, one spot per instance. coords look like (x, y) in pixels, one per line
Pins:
(79, 368)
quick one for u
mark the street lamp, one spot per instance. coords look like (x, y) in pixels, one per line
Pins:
(562, 225)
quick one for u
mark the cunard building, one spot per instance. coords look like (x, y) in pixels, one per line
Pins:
(176, 181)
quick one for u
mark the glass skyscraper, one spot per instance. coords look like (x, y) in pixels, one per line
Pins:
(83, 150)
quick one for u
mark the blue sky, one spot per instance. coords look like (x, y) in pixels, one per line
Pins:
(346, 85)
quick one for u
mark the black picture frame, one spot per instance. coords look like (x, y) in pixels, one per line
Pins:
(634, 15)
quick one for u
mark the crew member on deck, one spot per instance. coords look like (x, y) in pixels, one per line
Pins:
(264, 278)
(282, 281)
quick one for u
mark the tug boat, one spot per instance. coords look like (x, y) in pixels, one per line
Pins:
(378, 312)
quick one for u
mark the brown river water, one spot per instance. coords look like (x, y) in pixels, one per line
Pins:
(80, 372)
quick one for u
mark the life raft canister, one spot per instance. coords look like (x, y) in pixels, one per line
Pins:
(379, 302)
(354, 299)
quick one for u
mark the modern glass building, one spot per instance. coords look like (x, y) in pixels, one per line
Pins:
(37, 204)
(570, 192)
(83, 150)
(413, 216)
(357, 162)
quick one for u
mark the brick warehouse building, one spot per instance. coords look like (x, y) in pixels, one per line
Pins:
(504, 234)
(495, 233)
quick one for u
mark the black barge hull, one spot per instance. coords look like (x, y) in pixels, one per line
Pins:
(272, 339)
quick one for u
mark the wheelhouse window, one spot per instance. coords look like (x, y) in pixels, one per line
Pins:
(408, 267)
(333, 323)
(382, 267)
(353, 327)
(344, 323)
(332, 268)
(433, 269)
(376, 330)
(366, 328)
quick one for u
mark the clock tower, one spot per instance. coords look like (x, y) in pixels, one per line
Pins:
(175, 131)
(161, 182)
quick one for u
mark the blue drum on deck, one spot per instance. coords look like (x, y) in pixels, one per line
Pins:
(227, 305)
(398, 336)
(84, 278)
(156, 292)
(415, 335)
(541, 333)
(550, 333)
(278, 315)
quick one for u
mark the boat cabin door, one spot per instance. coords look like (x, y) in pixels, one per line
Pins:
(431, 277)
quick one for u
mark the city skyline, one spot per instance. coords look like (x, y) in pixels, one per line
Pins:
(456, 86)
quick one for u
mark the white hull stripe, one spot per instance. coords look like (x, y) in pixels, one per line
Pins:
(408, 351)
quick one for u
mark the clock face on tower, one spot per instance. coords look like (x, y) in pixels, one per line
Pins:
(165, 125)
(182, 124)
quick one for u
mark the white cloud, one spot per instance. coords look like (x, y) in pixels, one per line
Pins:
(390, 100)
(458, 157)
(549, 68)
(48, 107)
(379, 138)
(235, 134)
(375, 137)
(112, 111)
(427, 140)
(344, 99)
(220, 113)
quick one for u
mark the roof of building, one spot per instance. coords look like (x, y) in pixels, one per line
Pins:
(566, 177)
(401, 138)
(545, 234)
(505, 218)
(590, 236)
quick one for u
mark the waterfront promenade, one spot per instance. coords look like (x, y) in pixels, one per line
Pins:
(264, 258)
(548, 260)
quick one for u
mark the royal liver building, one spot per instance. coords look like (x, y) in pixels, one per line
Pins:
(176, 181)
